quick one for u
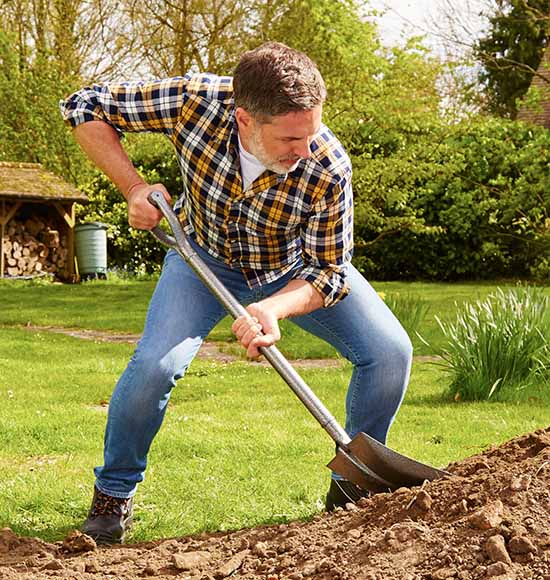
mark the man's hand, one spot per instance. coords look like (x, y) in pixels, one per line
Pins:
(248, 328)
(142, 215)
(296, 298)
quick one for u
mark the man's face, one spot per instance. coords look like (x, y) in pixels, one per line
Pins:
(280, 143)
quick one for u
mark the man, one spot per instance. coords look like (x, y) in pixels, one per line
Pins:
(267, 203)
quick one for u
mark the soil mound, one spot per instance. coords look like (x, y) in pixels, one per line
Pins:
(490, 519)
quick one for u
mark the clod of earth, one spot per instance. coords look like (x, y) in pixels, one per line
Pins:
(490, 521)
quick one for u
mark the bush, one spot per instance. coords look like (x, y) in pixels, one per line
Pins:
(482, 193)
(498, 346)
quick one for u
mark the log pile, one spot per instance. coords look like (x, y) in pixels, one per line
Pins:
(33, 247)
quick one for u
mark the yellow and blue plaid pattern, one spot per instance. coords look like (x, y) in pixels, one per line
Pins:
(263, 230)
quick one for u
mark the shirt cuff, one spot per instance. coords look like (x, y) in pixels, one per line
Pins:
(80, 108)
(75, 111)
(330, 282)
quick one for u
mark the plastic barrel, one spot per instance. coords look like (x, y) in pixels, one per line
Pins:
(91, 250)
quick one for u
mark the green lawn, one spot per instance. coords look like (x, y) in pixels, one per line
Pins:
(237, 449)
(121, 307)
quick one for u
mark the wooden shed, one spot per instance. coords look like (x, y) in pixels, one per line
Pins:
(37, 219)
(540, 113)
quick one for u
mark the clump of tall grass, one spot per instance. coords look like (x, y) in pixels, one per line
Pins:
(498, 346)
(410, 310)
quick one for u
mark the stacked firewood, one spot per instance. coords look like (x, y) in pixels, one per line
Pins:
(33, 247)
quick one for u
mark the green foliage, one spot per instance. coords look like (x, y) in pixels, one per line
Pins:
(30, 126)
(498, 346)
(511, 51)
(129, 249)
(482, 190)
(433, 200)
(378, 99)
(343, 45)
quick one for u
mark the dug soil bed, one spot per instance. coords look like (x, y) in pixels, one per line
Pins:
(489, 519)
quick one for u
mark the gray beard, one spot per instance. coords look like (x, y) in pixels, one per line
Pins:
(258, 150)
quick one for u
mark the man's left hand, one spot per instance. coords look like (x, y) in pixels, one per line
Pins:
(259, 328)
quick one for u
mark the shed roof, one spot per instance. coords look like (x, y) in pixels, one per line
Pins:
(30, 181)
(540, 113)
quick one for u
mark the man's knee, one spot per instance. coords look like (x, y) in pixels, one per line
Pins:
(154, 370)
(402, 348)
(141, 390)
(389, 350)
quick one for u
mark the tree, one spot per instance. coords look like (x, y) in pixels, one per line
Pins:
(31, 129)
(511, 51)
(51, 45)
(379, 102)
(172, 37)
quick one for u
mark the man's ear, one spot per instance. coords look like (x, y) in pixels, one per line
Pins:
(244, 118)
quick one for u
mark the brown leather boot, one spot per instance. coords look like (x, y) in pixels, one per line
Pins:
(109, 518)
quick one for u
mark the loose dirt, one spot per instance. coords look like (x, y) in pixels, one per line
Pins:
(490, 519)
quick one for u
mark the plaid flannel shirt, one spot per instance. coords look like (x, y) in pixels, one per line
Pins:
(264, 230)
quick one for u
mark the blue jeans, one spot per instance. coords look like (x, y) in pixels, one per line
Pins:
(181, 314)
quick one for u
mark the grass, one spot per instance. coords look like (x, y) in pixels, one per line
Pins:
(120, 306)
(236, 450)
(115, 306)
(409, 309)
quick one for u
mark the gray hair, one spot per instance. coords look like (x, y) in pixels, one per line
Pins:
(274, 79)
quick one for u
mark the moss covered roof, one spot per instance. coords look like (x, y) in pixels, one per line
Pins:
(539, 114)
(31, 181)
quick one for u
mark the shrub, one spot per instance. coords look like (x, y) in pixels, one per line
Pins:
(132, 250)
(480, 189)
(498, 346)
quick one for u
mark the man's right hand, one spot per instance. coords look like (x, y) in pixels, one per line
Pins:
(142, 215)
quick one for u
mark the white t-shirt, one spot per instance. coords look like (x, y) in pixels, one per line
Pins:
(251, 168)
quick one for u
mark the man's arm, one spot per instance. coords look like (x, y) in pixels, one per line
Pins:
(102, 145)
(327, 242)
(100, 113)
(296, 298)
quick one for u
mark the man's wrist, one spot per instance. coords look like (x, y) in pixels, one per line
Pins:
(296, 298)
(132, 188)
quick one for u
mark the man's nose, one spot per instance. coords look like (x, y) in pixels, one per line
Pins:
(302, 148)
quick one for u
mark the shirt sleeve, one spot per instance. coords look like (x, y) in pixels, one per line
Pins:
(134, 106)
(327, 243)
